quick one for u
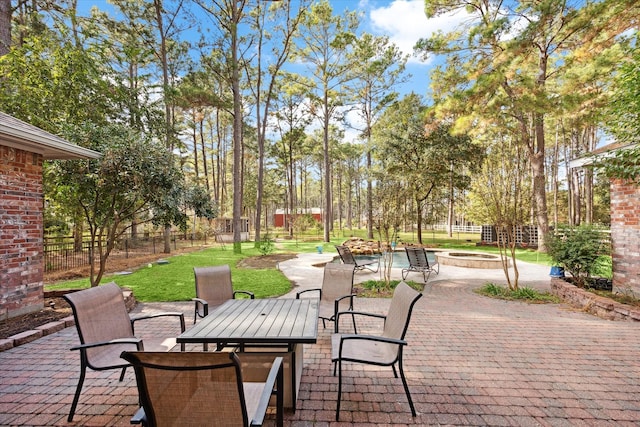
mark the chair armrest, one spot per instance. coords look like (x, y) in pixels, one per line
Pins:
(359, 313)
(248, 293)
(133, 340)
(204, 303)
(164, 314)
(275, 373)
(345, 337)
(309, 290)
(139, 417)
(336, 303)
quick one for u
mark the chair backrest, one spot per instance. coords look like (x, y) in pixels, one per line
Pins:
(190, 388)
(337, 281)
(345, 254)
(402, 302)
(100, 314)
(213, 284)
(417, 257)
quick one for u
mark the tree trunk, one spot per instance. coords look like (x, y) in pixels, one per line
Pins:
(237, 136)
(369, 198)
(327, 173)
(450, 203)
(5, 27)
(205, 169)
(419, 219)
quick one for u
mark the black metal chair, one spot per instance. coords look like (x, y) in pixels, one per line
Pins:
(336, 293)
(213, 287)
(347, 258)
(419, 263)
(381, 350)
(202, 388)
(105, 330)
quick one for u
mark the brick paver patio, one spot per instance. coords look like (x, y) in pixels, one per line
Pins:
(471, 361)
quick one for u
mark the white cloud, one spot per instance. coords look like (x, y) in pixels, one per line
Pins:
(405, 22)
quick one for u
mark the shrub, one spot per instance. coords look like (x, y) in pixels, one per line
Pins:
(266, 246)
(578, 250)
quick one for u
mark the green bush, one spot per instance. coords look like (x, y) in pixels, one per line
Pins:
(266, 246)
(579, 250)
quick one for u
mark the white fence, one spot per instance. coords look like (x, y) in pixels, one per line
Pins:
(456, 228)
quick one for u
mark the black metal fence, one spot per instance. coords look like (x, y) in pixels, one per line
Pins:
(62, 253)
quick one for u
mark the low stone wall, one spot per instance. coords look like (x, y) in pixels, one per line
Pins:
(52, 327)
(591, 303)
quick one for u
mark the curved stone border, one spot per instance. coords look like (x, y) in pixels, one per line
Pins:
(52, 327)
(591, 303)
(470, 259)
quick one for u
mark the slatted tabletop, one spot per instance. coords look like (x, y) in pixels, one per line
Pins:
(258, 321)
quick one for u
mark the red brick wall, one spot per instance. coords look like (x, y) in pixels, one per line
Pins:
(21, 231)
(625, 235)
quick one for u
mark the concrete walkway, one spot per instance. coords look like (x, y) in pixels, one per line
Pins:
(305, 272)
(471, 361)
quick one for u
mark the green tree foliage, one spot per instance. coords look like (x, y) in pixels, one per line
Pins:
(624, 122)
(423, 153)
(49, 82)
(505, 65)
(135, 178)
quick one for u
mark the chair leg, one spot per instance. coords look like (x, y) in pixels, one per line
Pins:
(280, 397)
(353, 319)
(76, 397)
(122, 373)
(406, 388)
(339, 389)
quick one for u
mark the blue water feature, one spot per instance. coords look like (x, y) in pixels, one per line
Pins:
(400, 259)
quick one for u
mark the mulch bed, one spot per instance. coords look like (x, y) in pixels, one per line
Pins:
(26, 322)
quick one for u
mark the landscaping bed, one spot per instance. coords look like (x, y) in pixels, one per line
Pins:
(593, 303)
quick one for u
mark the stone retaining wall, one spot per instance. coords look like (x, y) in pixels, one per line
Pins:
(52, 327)
(591, 303)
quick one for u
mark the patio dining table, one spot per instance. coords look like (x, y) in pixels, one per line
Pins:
(260, 330)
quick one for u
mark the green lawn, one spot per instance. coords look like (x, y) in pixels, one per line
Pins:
(175, 282)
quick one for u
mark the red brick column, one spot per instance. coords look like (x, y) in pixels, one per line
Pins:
(625, 235)
(21, 232)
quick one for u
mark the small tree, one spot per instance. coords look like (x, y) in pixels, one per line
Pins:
(135, 178)
(387, 218)
(501, 195)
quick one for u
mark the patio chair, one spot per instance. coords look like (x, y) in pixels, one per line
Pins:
(213, 287)
(336, 293)
(419, 263)
(381, 350)
(200, 388)
(347, 258)
(105, 330)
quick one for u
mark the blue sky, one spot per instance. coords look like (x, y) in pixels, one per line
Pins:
(403, 21)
